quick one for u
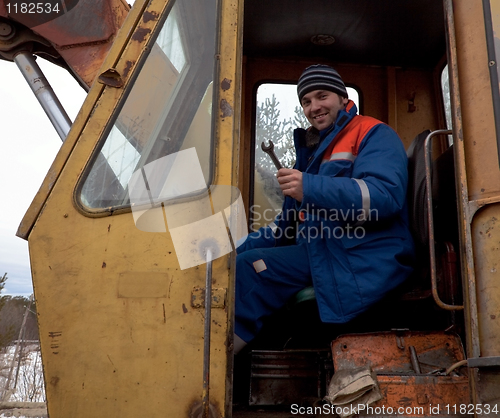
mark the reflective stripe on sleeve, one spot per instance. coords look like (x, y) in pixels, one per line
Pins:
(365, 196)
(343, 156)
(339, 156)
(273, 226)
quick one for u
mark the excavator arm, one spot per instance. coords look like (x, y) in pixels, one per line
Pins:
(77, 37)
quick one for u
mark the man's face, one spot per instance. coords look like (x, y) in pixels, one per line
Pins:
(321, 107)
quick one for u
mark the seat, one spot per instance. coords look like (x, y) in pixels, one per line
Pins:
(417, 190)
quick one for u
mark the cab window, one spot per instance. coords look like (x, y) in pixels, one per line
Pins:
(278, 113)
(168, 109)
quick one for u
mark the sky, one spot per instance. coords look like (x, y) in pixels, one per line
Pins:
(29, 144)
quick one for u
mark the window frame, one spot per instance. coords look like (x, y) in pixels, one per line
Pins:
(144, 52)
(253, 145)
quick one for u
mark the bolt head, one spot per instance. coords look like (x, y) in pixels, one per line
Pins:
(6, 30)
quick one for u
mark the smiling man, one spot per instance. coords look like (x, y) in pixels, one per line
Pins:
(344, 224)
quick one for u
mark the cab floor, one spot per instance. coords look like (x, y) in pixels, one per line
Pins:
(267, 413)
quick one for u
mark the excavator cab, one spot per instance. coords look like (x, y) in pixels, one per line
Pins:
(134, 232)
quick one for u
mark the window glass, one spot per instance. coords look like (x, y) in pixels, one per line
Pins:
(278, 114)
(445, 89)
(168, 109)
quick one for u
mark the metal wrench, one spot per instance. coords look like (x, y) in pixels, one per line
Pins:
(270, 150)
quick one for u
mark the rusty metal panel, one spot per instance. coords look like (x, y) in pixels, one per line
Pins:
(389, 352)
(414, 369)
(82, 32)
(424, 395)
(486, 235)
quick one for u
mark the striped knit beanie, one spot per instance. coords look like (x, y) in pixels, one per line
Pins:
(320, 77)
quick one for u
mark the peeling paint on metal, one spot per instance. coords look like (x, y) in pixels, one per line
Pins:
(225, 84)
(127, 68)
(226, 108)
(140, 34)
(149, 16)
(198, 297)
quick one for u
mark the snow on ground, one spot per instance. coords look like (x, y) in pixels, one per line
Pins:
(24, 377)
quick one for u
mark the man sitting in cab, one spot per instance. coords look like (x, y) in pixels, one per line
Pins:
(344, 226)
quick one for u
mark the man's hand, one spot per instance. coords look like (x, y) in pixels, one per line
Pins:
(290, 181)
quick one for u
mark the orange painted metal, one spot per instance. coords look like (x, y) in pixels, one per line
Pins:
(82, 36)
(417, 396)
(410, 384)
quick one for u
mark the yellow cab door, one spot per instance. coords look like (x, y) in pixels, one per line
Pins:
(139, 198)
(473, 34)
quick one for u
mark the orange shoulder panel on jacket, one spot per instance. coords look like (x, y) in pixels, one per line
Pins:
(349, 139)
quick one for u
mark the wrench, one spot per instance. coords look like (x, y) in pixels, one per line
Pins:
(270, 150)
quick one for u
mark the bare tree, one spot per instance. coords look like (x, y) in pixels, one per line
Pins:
(29, 385)
(7, 332)
(21, 373)
(272, 127)
(11, 318)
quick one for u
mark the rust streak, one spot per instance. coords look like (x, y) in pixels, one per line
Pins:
(225, 84)
(149, 16)
(140, 34)
(226, 108)
(127, 68)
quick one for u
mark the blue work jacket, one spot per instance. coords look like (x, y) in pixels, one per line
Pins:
(353, 217)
